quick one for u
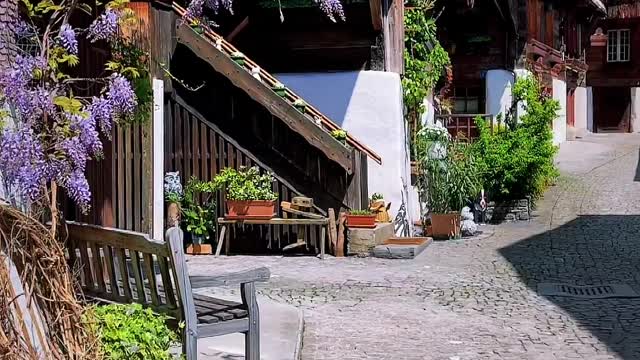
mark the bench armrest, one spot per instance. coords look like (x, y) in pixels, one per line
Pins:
(261, 274)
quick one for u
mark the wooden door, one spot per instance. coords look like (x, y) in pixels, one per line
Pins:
(611, 109)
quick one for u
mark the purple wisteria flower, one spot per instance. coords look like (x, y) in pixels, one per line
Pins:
(67, 37)
(121, 96)
(194, 10)
(23, 161)
(101, 111)
(104, 27)
(78, 190)
(332, 8)
(88, 136)
(15, 81)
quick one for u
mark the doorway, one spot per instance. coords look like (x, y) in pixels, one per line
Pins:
(611, 109)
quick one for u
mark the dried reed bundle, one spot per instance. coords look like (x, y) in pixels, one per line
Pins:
(40, 261)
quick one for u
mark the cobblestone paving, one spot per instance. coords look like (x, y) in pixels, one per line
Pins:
(475, 298)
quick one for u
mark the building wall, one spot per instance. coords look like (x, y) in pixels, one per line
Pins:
(581, 111)
(635, 109)
(603, 73)
(560, 122)
(498, 91)
(368, 105)
(590, 123)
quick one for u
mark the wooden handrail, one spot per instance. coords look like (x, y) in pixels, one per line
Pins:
(290, 95)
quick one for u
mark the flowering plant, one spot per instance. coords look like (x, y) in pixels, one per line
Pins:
(50, 131)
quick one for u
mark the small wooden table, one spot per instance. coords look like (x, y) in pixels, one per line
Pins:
(274, 221)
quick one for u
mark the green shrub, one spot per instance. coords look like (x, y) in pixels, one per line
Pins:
(132, 332)
(360, 212)
(245, 184)
(516, 160)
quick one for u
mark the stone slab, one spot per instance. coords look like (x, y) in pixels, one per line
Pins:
(281, 327)
(362, 241)
(397, 251)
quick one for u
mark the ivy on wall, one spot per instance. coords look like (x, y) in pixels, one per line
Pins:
(425, 60)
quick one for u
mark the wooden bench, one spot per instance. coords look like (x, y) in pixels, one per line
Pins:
(124, 267)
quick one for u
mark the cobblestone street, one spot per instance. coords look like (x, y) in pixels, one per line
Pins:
(476, 298)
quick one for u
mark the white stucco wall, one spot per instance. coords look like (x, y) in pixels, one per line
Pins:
(581, 110)
(428, 116)
(520, 73)
(590, 126)
(368, 105)
(498, 91)
(635, 109)
(560, 122)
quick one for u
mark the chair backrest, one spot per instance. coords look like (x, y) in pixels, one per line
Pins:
(124, 266)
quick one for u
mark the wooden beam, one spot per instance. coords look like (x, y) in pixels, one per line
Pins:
(376, 14)
(243, 24)
(276, 105)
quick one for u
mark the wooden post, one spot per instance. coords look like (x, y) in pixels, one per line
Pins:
(340, 243)
(158, 159)
(333, 230)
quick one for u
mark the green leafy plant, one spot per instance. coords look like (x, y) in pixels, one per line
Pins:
(448, 181)
(376, 197)
(130, 332)
(339, 134)
(245, 184)
(360, 212)
(198, 207)
(516, 159)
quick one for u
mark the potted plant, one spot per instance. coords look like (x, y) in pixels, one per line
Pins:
(173, 196)
(340, 135)
(249, 194)
(301, 105)
(279, 89)
(196, 25)
(379, 208)
(361, 219)
(238, 57)
(198, 214)
(448, 178)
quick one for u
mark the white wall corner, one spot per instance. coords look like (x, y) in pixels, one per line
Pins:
(560, 122)
(635, 109)
(590, 123)
(158, 160)
(581, 107)
(499, 83)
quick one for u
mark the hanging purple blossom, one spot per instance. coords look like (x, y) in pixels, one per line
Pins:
(22, 161)
(104, 27)
(88, 136)
(195, 9)
(101, 111)
(67, 37)
(332, 8)
(75, 151)
(121, 96)
(78, 190)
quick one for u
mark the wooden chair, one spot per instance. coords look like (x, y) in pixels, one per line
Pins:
(124, 266)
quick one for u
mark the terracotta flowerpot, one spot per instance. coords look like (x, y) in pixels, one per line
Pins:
(361, 221)
(445, 226)
(250, 209)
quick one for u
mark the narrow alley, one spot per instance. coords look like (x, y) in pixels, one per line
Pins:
(477, 298)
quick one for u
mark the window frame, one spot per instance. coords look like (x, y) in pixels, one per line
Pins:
(618, 47)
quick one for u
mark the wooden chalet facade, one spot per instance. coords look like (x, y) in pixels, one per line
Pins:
(614, 69)
(501, 40)
(233, 119)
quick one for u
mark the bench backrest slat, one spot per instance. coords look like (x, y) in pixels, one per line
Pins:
(124, 266)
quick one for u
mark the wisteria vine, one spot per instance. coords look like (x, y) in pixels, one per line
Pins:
(48, 133)
(332, 8)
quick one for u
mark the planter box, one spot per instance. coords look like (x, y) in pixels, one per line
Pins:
(250, 209)
(361, 221)
(445, 226)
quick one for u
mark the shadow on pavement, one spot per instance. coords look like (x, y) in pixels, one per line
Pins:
(590, 250)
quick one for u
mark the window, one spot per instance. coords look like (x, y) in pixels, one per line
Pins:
(618, 45)
(468, 100)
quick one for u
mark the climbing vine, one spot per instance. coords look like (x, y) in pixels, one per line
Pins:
(425, 60)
